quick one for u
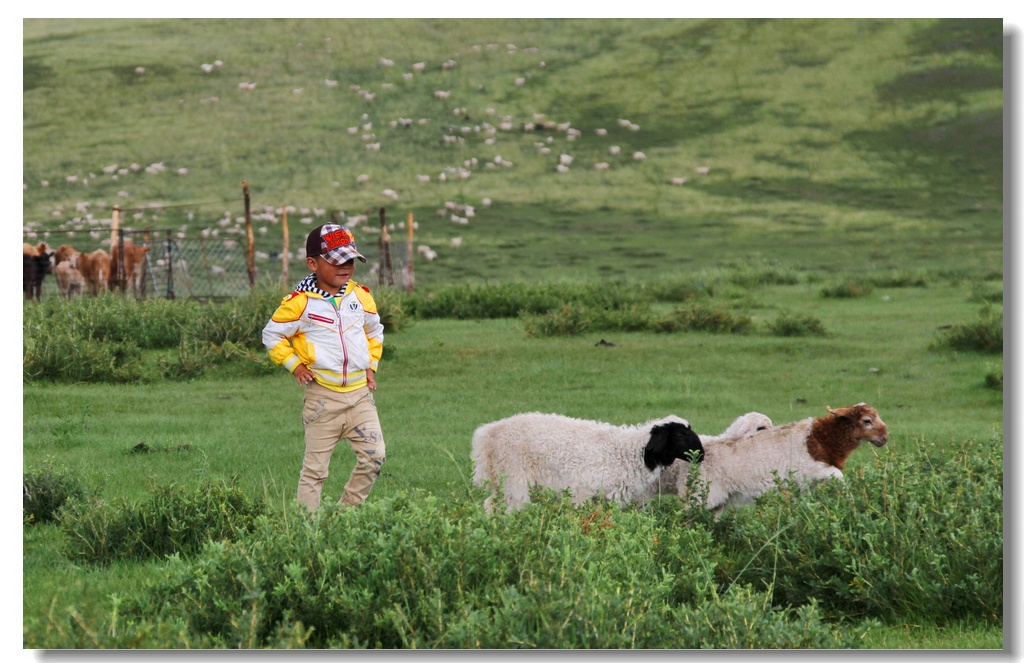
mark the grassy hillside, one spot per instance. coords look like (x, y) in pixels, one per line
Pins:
(829, 144)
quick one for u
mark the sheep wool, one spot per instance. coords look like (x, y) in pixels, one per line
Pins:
(736, 471)
(741, 425)
(589, 458)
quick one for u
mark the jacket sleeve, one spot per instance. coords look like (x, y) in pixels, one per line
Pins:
(372, 326)
(283, 330)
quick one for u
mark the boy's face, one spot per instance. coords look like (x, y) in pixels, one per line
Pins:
(331, 278)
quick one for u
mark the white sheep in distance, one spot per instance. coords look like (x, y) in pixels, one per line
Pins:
(738, 470)
(740, 426)
(590, 458)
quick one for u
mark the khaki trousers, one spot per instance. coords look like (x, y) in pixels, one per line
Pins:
(329, 416)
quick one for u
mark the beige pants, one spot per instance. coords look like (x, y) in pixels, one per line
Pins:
(329, 416)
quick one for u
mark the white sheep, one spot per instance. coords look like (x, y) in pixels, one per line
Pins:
(738, 470)
(590, 458)
(740, 426)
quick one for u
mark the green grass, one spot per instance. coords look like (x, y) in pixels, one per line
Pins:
(855, 181)
(447, 377)
(832, 144)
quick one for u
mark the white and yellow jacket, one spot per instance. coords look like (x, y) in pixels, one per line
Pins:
(337, 337)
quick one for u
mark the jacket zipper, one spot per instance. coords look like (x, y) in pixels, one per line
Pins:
(341, 337)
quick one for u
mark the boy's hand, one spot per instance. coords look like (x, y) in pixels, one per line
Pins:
(371, 379)
(303, 375)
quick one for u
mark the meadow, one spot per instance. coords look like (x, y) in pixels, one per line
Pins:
(844, 244)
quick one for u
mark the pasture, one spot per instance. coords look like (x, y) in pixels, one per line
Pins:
(844, 244)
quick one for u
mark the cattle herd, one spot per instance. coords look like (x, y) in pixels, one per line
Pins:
(79, 273)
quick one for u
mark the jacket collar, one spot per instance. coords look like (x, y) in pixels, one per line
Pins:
(308, 284)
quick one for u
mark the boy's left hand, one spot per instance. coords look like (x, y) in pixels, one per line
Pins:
(371, 379)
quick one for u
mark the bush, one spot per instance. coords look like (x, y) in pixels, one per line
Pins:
(983, 335)
(46, 491)
(899, 279)
(513, 300)
(59, 356)
(846, 289)
(418, 572)
(910, 536)
(174, 520)
(569, 320)
(149, 325)
(794, 324)
(704, 318)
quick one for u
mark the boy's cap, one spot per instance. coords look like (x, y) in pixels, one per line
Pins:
(335, 244)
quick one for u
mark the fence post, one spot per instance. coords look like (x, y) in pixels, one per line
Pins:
(169, 257)
(249, 236)
(117, 242)
(142, 264)
(410, 277)
(385, 241)
(284, 252)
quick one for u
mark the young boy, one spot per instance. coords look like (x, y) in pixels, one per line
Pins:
(328, 334)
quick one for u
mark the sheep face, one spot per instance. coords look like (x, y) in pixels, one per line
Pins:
(867, 425)
(671, 441)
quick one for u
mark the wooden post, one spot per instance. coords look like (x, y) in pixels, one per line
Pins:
(169, 257)
(249, 236)
(140, 266)
(410, 276)
(284, 252)
(117, 242)
(386, 239)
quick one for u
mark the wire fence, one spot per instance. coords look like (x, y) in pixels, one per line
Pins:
(211, 269)
(161, 263)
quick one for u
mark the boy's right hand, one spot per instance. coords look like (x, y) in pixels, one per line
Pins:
(303, 375)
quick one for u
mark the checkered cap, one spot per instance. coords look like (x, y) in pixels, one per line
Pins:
(335, 244)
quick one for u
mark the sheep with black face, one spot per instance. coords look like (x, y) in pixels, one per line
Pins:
(592, 459)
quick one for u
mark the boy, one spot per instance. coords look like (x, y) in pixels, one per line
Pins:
(329, 335)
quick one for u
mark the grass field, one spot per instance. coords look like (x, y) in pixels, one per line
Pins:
(838, 154)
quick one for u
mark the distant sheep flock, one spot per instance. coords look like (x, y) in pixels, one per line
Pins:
(553, 144)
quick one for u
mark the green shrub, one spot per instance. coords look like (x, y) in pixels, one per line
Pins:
(899, 279)
(795, 324)
(909, 536)
(414, 571)
(511, 300)
(703, 318)
(569, 320)
(749, 277)
(150, 324)
(59, 356)
(174, 520)
(48, 490)
(983, 335)
(392, 306)
(847, 289)
(986, 294)
(678, 290)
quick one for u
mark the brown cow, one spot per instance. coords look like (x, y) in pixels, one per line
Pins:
(95, 268)
(66, 252)
(134, 265)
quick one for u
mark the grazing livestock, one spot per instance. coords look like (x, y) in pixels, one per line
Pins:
(741, 425)
(70, 281)
(133, 266)
(590, 458)
(738, 470)
(36, 264)
(95, 268)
